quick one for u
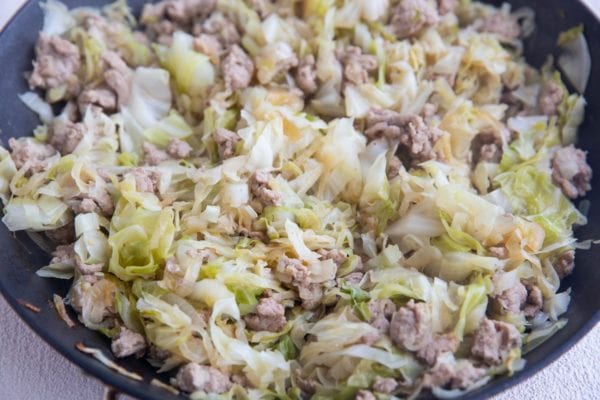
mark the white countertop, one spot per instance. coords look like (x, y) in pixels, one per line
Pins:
(30, 369)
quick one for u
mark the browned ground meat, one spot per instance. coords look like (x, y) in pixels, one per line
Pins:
(192, 377)
(185, 12)
(409, 17)
(103, 305)
(219, 25)
(85, 206)
(311, 295)
(146, 180)
(269, 316)
(352, 278)
(30, 152)
(307, 385)
(535, 301)
(238, 68)
(438, 345)
(551, 95)
(410, 327)
(66, 135)
(87, 269)
(179, 149)
(381, 313)
(63, 254)
(564, 263)
(494, 340)
(210, 45)
(394, 167)
(56, 65)
(101, 97)
(259, 185)
(128, 343)
(97, 200)
(226, 142)
(510, 300)
(447, 6)
(486, 147)
(571, 172)
(415, 138)
(164, 30)
(181, 12)
(306, 75)
(117, 76)
(385, 385)
(356, 64)
(501, 24)
(459, 375)
(337, 256)
(364, 395)
(153, 155)
(292, 272)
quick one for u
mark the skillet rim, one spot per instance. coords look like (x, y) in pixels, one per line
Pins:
(143, 390)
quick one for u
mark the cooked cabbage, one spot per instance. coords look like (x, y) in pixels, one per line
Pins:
(384, 185)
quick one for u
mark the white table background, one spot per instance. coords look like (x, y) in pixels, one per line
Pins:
(30, 369)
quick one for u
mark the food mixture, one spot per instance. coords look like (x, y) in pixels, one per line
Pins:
(326, 199)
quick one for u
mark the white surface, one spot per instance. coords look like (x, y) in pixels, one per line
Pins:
(30, 369)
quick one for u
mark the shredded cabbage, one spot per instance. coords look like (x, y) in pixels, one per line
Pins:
(358, 192)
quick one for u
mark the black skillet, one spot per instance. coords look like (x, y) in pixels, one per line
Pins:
(20, 257)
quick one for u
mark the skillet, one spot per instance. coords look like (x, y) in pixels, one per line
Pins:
(20, 257)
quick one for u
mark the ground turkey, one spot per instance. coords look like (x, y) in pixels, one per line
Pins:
(269, 316)
(306, 75)
(550, 98)
(409, 17)
(356, 64)
(438, 345)
(153, 155)
(415, 138)
(66, 135)
(410, 327)
(128, 343)
(381, 313)
(179, 149)
(259, 186)
(494, 340)
(30, 152)
(571, 172)
(292, 272)
(564, 263)
(192, 377)
(448, 373)
(501, 24)
(238, 68)
(226, 142)
(56, 66)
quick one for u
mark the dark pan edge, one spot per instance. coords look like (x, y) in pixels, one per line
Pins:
(89, 365)
(123, 384)
(86, 363)
(141, 389)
